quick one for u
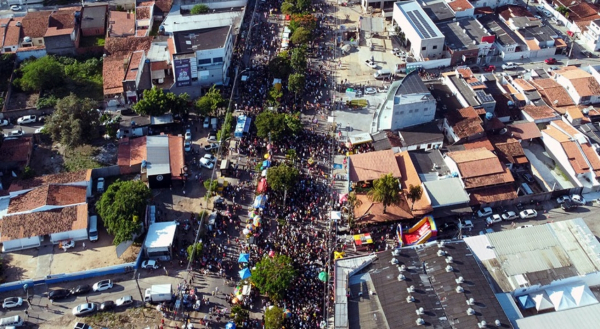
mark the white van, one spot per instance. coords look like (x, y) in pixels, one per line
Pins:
(93, 228)
(381, 74)
(15, 321)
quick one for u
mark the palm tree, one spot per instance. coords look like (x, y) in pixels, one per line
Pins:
(385, 190)
(414, 194)
(353, 202)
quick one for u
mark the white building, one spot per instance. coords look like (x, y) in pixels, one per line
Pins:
(581, 85)
(423, 38)
(408, 103)
(592, 35)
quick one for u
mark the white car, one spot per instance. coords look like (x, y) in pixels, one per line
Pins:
(102, 285)
(563, 198)
(467, 224)
(124, 301)
(26, 119)
(188, 135)
(528, 213)
(484, 212)
(206, 123)
(211, 146)
(11, 302)
(370, 91)
(80, 325)
(17, 133)
(371, 64)
(187, 146)
(15, 8)
(149, 264)
(39, 130)
(509, 66)
(4, 122)
(509, 215)
(524, 226)
(495, 218)
(84, 309)
(206, 164)
(209, 157)
(578, 199)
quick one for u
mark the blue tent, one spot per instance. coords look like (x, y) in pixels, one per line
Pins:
(230, 325)
(259, 201)
(245, 273)
(525, 302)
(244, 258)
(266, 164)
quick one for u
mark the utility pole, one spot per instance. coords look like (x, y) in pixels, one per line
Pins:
(141, 295)
(572, 46)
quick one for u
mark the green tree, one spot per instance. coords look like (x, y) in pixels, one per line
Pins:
(414, 194)
(293, 123)
(225, 131)
(296, 83)
(194, 251)
(300, 36)
(386, 190)
(303, 5)
(239, 315)
(74, 121)
(269, 122)
(298, 59)
(40, 74)
(275, 95)
(154, 102)
(178, 104)
(274, 318)
(28, 172)
(280, 66)
(211, 185)
(562, 9)
(273, 276)
(121, 207)
(282, 177)
(288, 8)
(291, 155)
(210, 102)
(199, 9)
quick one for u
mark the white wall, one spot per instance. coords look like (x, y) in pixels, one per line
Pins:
(416, 42)
(19, 244)
(411, 110)
(449, 132)
(426, 147)
(555, 148)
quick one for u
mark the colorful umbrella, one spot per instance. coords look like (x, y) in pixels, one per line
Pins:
(245, 273)
(246, 231)
(343, 197)
(244, 258)
(230, 325)
(323, 276)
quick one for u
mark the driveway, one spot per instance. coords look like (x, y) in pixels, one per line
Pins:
(540, 162)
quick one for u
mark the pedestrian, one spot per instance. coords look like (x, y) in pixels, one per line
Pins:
(84, 245)
(27, 313)
(86, 299)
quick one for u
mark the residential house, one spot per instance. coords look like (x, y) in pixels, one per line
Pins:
(461, 8)
(509, 151)
(3, 30)
(468, 89)
(137, 75)
(425, 136)
(408, 103)
(555, 95)
(508, 45)
(524, 131)
(144, 19)
(425, 39)
(34, 27)
(62, 35)
(466, 39)
(367, 167)
(15, 154)
(409, 178)
(463, 125)
(573, 154)
(581, 14)
(484, 177)
(581, 85)
(160, 64)
(93, 21)
(76, 178)
(539, 114)
(121, 24)
(160, 159)
(13, 35)
(592, 35)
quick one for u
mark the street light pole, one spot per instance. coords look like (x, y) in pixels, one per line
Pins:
(572, 46)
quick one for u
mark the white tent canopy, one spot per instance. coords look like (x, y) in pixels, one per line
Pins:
(542, 301)
(336, 215)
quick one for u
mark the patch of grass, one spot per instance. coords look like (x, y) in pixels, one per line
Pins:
(121, 319)
(92, 41)
(80, 158)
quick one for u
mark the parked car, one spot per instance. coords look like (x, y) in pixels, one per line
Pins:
(40, 130)
(475, 69)
(489, 68)
(587, 54)
(528, 213)
(11, 302)
(524, 226)
(563, 198)
(124, 301)
(383, 89)
(16, 8)
(80, 325)
(100, 185)
(211, 146)
(210, 157)
(149, 264)
(578, 199)
(81, 289)
(206, 123)
(106, 306)
(206, 164)
(550, 61)
(59, 294)
(370, 91)
(467, 224)
(495, 218)
(510, 66)
(554, 20)
(568, 206)
(4, 123)
(509, 215)
(84, 309)
(102, 285)
(188, 135)
(17, 133)
(212, 137)
(371, 64)
(187, 146)
(26, 119)
(538, 17)
(484, 212)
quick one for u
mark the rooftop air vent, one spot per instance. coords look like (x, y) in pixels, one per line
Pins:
(402, 268)
(441, 253)
(394, 261)
(449, 259)
(449, 268)
(420, 311)
(471, 301)
(497, 323)
(410, 289)
(460, 279)
(420, 322)
(459, 289)
(470, 311)
(482, 324)
(401, 277)
(18, 24)
(410, 299)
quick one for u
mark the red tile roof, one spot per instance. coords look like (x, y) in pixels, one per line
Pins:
(460, 5)
(524, 130)
(116, 46)
(17, 150)
(13, 32)
(133, 66)
(62, 22)
(3, 28)
(480, 167)
(539, 112)
(62, 178)
(51, 195)
(492, 194)
(157, 66)
(35, 23)
(176, 156)
(43, 222)
(163, 6)
(372, 165)
(465, 122)
(121, 24)
(411, 177)
(479, 143)
(372, 212)
(508, 12)
(509, 150)
(131, 151)
(142, 12)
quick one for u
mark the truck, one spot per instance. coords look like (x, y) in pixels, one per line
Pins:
(400, 68)
(132, 132)
(158, 293)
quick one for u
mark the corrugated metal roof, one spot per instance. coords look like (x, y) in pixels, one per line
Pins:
(510, 308)
(580, 317)
(158, 155)
(580, 244)
(446, 192)
(528, 250)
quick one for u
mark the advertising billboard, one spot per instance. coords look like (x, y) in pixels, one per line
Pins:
(183, 72)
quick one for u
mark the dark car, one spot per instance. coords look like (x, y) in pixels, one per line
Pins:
(107, 305)
(528, 177)
(586, 53)
(475, 69)
(81, 289)
(59, 294)
(568, 206)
